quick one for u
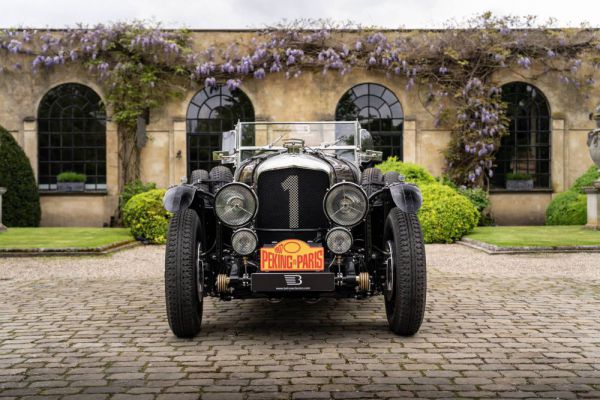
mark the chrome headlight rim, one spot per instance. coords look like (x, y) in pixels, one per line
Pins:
(338, 186)
(335, 230)
(245, 187)
(243, 231)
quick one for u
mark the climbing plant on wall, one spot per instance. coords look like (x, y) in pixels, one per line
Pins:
(142, 67)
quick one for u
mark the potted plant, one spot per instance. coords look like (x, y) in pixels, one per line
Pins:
(70, 181)
(519, 181)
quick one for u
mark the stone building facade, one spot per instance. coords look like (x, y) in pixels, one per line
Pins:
(58, 120)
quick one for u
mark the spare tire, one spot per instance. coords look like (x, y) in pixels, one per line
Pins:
(200, 175)
(219, 176)
(391, 177)
(371, 180)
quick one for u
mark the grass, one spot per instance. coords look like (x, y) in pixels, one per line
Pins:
(58, 238)
(532, 236)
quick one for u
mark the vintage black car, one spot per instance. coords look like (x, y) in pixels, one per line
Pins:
(303, 215)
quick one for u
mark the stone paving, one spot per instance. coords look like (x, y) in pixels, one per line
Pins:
(496, 326)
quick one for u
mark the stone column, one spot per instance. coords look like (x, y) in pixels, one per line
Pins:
(2, 191)
(178, 151)
(30, 142)
(559, 161)
(409, 140)
(593, 207)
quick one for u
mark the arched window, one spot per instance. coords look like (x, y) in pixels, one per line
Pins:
(211, 112)
(526, 148)
(72, 136)
(379, 111)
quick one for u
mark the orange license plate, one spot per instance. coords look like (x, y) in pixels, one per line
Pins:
(291, 255)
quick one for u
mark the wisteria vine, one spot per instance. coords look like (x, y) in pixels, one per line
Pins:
(142, 67)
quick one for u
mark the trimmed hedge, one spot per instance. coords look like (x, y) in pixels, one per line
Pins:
(21, 202)
(567, 208)
(132, 188)
(413, 173)
(587, 179)
(570, 207)
(146, 217)
(446, 215)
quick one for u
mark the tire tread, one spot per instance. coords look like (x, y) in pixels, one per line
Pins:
(184, 309)
(406, 315)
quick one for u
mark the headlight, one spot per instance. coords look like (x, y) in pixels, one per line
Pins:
(346, 204)
(236, 204)
(244, 241)
(339, 240)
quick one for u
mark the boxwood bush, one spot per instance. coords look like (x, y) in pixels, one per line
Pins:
(21, 202)
(446, 215)
(567, 208)
(136, 187)
(570, 207)
(413, 173)
(587, 179)
(146, 217)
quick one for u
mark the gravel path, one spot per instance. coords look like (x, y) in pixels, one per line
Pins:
(496, 326)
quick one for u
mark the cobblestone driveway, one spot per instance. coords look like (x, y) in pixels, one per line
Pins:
(496, 326)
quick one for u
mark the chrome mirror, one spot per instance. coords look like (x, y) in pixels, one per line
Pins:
(227, 153)
(366, 140)
(228, 142)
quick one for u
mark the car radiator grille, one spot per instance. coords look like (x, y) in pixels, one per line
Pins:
(291, 204)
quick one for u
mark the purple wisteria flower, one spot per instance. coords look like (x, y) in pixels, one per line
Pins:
(524, 62)
(210, 82)
(259, 73)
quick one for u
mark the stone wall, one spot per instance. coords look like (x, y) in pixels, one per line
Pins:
(312, 96)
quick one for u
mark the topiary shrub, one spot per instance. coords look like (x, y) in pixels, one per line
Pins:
(567, 208)
(136, 187)
(587, 179)
(445, 216)
(146, 217)
(412, 173)
(21, 202)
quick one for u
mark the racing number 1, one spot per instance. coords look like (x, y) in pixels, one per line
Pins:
(290, 185)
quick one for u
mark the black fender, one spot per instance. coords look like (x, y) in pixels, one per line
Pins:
(406, 197)
(181, 197)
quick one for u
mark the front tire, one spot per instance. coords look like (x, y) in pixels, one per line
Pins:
(405, 292)
(184, 300)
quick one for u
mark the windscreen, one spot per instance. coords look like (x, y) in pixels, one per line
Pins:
(314, 134)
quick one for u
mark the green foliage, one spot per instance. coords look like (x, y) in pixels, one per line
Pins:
(448, 212)
(133, 188)
(587, 179)
(570, 207)
(567, 208)
(478, 197)
(70, 176)
(445, 216)
(481, 201)
(518, 176)
(21, 202)
(412, 173)
(146, 217)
